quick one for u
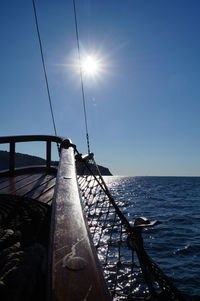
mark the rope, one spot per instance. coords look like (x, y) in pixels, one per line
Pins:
(128, 277)
(81, 77)
(44, 67)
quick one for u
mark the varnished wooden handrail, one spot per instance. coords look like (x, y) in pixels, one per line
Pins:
(29, 138)
(75, 272)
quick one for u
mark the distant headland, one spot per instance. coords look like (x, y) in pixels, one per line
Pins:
(27, 160)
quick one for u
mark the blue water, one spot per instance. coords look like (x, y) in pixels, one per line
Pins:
(174, 201)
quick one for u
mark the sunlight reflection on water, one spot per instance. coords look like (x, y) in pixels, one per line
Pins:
(175, 202)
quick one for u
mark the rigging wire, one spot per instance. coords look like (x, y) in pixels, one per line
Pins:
(44, 67)
(81, 78)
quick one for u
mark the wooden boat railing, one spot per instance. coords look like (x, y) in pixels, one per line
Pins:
(74, 272)
(12, 140)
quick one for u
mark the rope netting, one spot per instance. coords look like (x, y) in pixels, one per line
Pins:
(129, 272)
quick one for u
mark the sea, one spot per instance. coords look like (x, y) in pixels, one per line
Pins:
(174, 244)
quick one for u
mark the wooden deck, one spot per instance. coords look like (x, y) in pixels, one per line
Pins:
(73, 270)
(38, 186)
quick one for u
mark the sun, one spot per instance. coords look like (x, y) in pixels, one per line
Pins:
(90, 66)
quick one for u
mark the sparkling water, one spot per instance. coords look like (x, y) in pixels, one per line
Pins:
(175, 202)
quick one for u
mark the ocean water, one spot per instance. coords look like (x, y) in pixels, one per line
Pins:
(175, 243)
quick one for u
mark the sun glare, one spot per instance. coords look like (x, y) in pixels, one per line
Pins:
(90, 66)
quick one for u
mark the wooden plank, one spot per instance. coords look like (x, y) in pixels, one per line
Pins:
(47, 196)
(3, 179)
(15, 186)
(33, 186)
(49, 202)
(29, 169)
(11, 180)
(42, 191)
(74, 270)
(47, 184)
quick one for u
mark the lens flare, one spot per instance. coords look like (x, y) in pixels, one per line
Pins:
(90, 66)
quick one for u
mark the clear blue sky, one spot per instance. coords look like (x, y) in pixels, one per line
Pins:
(143, 111)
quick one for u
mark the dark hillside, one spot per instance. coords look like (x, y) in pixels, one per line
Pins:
(21, 160)
(27, 160)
